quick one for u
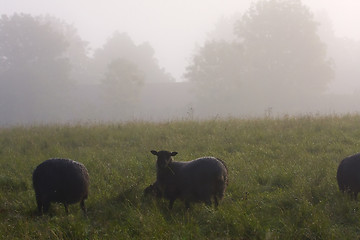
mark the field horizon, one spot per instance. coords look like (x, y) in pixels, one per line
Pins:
(282, 179)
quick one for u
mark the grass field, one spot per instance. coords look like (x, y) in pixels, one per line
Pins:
(282, 176)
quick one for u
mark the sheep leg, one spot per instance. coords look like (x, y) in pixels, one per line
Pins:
(216, 201)
(46, 206)
(171, 203)
(208, 202)
(39, 203)
(82, 205)
(66, 208)
(187, 204)
(355, 195)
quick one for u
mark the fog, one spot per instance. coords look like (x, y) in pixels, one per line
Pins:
(90, 61)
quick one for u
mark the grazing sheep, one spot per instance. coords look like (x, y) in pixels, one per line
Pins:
(194, 181)
(60, 180)
(348, 175)
(153, 190)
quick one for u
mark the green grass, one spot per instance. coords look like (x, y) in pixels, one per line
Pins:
(282, 179)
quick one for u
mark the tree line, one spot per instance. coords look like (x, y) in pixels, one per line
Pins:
(277, 56)
(42, 58)
(274, 58)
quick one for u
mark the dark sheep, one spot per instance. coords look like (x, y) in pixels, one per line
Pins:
(153, 190)
(348, 175)
(60, 180)
(198, 180)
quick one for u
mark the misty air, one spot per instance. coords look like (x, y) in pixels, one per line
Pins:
(191, 119)
(266, 58)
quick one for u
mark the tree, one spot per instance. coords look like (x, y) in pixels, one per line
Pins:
(215, 73)
(120, 45)
(345, 54)
(122, 84)
(33, 71)
(224, 29)
(283, 49)
(276, 60)
(77, 50)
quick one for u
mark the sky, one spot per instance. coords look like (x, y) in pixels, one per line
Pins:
(172, 27)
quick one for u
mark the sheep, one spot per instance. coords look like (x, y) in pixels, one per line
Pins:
(60, 180)
(348, 175)
(153, 190)
(198, 180)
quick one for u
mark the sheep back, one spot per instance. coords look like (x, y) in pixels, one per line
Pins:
(60, 180)
(348, 175)
(203, 178)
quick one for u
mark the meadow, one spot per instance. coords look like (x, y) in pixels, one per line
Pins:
(282, 179)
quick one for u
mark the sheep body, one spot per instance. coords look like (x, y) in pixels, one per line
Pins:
(348, 175)
(198, 180)
(60, 180)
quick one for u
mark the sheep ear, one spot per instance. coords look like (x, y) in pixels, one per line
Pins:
(154, 152)
(173, 153)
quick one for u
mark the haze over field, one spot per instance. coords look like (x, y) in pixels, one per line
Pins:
(158, 42)
(173, 28)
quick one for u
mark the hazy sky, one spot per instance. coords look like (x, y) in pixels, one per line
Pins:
(172, 27)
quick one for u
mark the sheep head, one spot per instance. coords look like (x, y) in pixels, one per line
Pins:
(164, 158)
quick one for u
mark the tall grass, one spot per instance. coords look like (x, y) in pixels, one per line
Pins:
(282, 179)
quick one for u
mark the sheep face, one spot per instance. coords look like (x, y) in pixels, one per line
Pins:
(164, 158)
